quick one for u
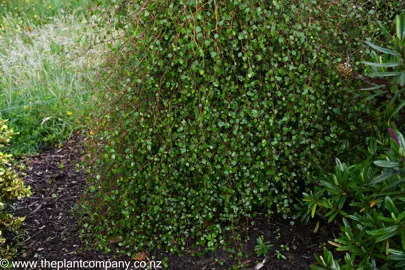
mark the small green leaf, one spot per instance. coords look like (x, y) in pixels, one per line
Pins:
(400, 23)
(401, 79)
(384, 231)
(397, 109)
(383, 50)
(401, 216)
(373, 88)
(386, 164)
(342, 201)
(384, 31)
(391, 206)
(396, 255)
(385, 237)
(313, 211)
(387, 65)
(254, 113)
(316, 227)
(384, 74)
(395, 184)
(381, 177)
(330, 187)
(403, 239)
(332, 217)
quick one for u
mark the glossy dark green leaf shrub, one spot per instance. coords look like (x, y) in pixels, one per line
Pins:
(369, 198)
(389, 64)
(214, 110)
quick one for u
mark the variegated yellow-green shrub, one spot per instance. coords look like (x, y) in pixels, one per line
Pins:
(11, 187)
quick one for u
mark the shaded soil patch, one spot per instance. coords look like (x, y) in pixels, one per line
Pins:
(52, 232)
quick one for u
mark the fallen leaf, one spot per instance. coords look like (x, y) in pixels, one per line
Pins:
(115, 240)
(260, 265)
(139, 256)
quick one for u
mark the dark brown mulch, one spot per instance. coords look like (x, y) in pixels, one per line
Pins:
(52, 233)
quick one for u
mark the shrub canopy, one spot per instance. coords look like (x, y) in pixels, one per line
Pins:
(215, 110)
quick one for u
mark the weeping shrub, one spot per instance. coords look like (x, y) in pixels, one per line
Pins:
(215, 110)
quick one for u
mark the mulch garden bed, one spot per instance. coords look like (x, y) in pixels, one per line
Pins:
(51, 230)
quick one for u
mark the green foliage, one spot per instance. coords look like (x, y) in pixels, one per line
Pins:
(366, 196)
(279, 255)
(214, 110)
(390, 65)
(262, 248)
(369, 198)
(11, 187)
(328, 262)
